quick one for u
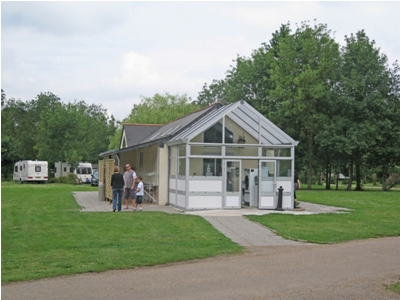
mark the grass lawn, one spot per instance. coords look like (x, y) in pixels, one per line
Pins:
(45, 235)
(375, 214)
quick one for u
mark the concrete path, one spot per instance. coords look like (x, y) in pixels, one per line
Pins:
(247, 233)
(89, 202)
(354, 270)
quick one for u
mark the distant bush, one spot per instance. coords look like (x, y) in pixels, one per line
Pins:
(69, 179)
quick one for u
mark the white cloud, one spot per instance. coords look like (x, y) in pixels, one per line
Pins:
(112, 53)
(138, 69)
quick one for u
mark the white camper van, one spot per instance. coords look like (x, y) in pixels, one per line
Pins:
(31, 171)
(84, 172)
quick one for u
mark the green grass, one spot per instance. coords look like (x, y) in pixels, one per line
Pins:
(45, 235)
(374, 214)
(395, 287)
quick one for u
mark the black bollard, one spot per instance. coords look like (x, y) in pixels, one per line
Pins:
(280, 192)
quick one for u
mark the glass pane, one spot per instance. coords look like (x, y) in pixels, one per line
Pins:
(276, 152)
(182, 166)
(232, 176)
(267, 177)
(172, 166)
(241, 151)
(205, 150)
(213, 134)
(285, 168)
(234, 132)
(182, 150)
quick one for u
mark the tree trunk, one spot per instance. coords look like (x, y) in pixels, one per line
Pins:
(310, 158)
(358, 175)
(384, 178)
(328, 177)
(337, 181)
(351, 176)
(309, 180)
(374, 179)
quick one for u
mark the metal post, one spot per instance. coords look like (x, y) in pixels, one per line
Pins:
(280, 192)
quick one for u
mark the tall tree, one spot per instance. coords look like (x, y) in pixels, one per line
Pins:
(304, 68)
(386, 150)
(361, 102)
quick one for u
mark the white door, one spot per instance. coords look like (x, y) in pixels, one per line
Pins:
(267, 185)
(232, 184)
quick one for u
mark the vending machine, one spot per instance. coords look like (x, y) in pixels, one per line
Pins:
(251, 187)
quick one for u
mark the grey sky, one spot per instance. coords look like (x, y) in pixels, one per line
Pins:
(111, 53)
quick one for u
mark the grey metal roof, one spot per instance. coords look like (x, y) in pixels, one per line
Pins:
(136, 133)
(187, 127)
(175, 127)
(245, 116)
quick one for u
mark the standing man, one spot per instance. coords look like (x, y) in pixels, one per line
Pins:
(130, 181)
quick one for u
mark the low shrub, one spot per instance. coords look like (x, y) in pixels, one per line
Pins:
(69, 179)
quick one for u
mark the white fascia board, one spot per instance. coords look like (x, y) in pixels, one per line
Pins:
(123, 138)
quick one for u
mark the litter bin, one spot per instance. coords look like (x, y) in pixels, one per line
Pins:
(102, 196)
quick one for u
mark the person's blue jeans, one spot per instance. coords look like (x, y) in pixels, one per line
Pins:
(117, 196)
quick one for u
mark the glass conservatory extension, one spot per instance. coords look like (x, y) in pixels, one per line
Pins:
(238, 158)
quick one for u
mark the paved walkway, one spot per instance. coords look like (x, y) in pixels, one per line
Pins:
(355, 270)
(232, 223)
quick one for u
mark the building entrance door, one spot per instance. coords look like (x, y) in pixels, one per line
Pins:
(267, 184)
(232, 183)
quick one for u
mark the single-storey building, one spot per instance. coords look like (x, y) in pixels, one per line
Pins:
(219, 157)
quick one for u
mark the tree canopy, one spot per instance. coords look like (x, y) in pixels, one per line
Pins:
(340, 103)
(48, 129)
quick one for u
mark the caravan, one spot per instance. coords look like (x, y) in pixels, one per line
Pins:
(31, 171)
(83, 171)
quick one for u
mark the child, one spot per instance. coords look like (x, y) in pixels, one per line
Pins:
(139, 194)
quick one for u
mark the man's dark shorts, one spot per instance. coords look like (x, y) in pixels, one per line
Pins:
(128, 193)
(139, 199)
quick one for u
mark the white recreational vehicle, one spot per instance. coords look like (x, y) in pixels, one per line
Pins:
(31, 171)
(84, 171)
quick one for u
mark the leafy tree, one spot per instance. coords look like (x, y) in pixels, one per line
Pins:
(13, 127)
(386, 151)
(304, 69)
(159, 109)
(74, 132)
(361, 106)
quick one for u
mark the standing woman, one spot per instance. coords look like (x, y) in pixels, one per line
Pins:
(117, 183)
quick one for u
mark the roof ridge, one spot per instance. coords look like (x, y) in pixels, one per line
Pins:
(139, 124)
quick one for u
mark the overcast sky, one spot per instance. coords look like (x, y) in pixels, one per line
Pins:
(112, 53)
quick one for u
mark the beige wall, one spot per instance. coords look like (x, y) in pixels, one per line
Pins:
(163, 176)
(154, 168)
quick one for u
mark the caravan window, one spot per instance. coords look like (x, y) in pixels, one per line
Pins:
(38, 168)
(20, 168)
(84, 171)
(16, 169)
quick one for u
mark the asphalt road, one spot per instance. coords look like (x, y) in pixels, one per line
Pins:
(353, 270)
